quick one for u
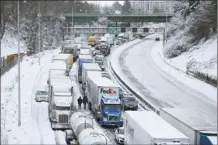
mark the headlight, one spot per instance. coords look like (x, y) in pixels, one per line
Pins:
(104, 119)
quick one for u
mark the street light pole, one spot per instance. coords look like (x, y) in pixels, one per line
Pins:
(39, 30)
(18, 31)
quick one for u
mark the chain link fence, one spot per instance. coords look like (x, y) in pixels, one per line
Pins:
(11, 64)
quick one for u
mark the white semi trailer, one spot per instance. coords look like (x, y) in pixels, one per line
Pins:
(83, 132)
(60, 92)
(195, 124)
(146, 127)
(86, 67)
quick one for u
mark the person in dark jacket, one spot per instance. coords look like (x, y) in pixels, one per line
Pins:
(85, 100)
(79, 100)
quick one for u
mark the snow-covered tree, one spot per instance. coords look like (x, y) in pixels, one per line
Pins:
(126, 8)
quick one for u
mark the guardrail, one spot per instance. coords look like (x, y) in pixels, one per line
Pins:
(11, 64)
(148, 104)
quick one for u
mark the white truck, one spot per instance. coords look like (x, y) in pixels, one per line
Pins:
(60, 105)
(193, 123)
(146, 127)
(103, 100)
(86, 68)
(83, 59)
(60, 57)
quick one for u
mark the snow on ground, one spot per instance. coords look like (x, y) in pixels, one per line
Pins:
(158, 83)
(209, 91)
(28, 131)
(9, 44)
(205, 55)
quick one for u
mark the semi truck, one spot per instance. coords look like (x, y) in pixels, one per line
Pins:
(86, 67)
(193, 123)
(60, 106)
(103, 100)
(60, 92)
(146, 127)
(83, 59)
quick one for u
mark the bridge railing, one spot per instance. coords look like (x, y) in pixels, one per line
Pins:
(121, 15)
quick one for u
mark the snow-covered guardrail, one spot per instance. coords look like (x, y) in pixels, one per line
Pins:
(149, 105)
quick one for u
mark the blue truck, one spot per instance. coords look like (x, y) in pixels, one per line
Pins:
(103, 100)
(83, 59)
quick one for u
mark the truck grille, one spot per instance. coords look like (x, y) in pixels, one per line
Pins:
(63, 118)
(113, 118)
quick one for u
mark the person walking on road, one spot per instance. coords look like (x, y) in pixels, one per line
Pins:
(79, 100)
(85, 100)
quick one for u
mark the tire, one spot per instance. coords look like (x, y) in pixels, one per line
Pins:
(53, 128)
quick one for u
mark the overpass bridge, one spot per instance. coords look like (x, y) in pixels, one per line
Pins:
(112, 30)
(89, 17)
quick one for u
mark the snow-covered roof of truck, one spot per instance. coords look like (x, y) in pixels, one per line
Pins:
(61, 82)
(85, 56)
(102, 81)
(57, 73)
(91, 66)
(61, 56)
(155, 125)
(193, 118)
(58, 65)
(94, 74)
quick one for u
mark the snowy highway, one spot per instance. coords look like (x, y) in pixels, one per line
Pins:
(136, 66)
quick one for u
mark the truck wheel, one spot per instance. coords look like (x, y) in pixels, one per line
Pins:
(52, 127)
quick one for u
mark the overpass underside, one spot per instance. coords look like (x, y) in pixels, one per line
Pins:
(84, 19)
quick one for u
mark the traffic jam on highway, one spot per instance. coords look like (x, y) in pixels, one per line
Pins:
(111, 105)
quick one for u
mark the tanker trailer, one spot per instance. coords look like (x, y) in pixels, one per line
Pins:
(92, 137)
(78, 122)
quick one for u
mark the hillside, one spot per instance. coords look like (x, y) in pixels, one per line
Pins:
(192, 40)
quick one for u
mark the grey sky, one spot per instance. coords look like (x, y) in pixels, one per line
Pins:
(105, 3)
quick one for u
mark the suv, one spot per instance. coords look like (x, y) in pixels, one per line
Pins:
(129, 102)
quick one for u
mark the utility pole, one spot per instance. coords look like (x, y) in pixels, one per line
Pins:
(18, 32)
(39, 16)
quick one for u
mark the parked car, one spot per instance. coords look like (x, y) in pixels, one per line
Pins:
(41, 96)
(119, 135)
(122, 93)
(157, 39)
(129, 102)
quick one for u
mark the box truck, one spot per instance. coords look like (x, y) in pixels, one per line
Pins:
(193, 123)
(88, 67)
(83, 59)
(146, 127)
(103, 100)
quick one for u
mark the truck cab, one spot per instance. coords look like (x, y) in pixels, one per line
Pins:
(99, 59)
(60, 109)
(111, 112)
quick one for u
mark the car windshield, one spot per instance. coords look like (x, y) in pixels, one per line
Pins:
(121, 131)
(62, 107)
(99, 58)
(68, 51)
(129, 99)
(112, 106)
(41, 93)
